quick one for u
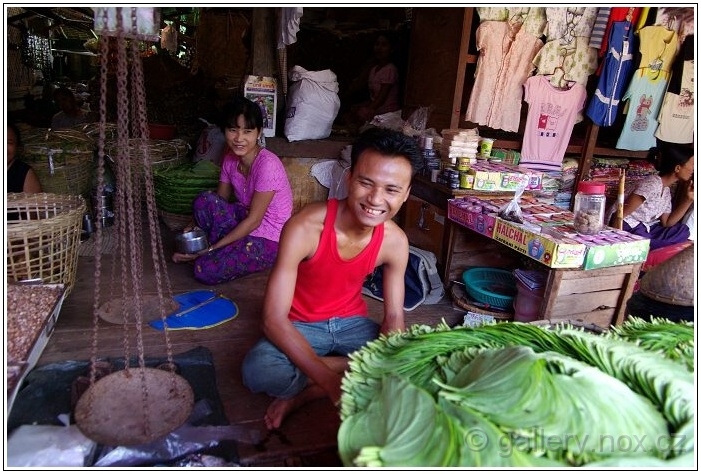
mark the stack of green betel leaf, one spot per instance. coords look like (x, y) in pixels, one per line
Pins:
(177, 187)
(519, 395)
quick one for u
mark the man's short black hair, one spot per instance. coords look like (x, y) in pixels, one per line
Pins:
(389, 143)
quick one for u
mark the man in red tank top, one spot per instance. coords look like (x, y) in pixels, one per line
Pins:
(314, 315)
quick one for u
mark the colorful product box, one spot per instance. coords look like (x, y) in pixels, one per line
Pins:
(550, 250)
(501, 177)
(612, 247)
(471, 215)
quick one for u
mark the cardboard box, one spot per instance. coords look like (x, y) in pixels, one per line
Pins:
(263, 91)
(464, 213)
(608, 248)
(612, 247)
(502, 177)
(550, 250)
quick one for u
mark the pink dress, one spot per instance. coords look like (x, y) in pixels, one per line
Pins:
(505, 62)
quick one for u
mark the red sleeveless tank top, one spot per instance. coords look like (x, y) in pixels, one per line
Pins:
(328, 285)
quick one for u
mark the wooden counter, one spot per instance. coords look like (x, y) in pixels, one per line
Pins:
(592, 296)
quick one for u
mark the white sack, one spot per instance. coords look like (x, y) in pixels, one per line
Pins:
(313, 104)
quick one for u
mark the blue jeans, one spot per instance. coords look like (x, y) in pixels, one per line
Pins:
(267, 369)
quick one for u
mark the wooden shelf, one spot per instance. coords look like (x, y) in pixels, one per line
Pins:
(605, 151)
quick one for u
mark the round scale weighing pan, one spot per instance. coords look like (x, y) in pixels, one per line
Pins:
(114, 411)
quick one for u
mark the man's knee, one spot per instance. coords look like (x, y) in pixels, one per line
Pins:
(265, 371)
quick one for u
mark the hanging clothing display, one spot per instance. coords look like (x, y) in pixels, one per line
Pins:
(533, 18)
(599, 29)
(619, 14)
(617, 69)
(551, 118)
(658, 48)
(676, 119)
(567, 23)
(578, 60)
(679, 19)
(567, 48)
(505, 62)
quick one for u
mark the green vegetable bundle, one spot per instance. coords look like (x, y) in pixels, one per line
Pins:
(177, 187)
(512, 394)
(673, 340)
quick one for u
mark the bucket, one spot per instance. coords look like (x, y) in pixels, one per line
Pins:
(527, 303)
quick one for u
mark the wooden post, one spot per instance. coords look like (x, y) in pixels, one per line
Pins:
(263, 42)
(621, 199)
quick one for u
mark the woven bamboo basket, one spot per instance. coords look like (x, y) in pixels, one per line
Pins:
(93, 130)
(62, 159)
(43, 236)
(162, 153)
(174, 222)
(462, 300)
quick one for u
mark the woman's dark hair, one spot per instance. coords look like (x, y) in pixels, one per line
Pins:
(666, 156)
(389, 143)
(252, 115)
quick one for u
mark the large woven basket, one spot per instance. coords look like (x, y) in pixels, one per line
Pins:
(163, 154)
(92, 130)
(62, 159)
(43, 237)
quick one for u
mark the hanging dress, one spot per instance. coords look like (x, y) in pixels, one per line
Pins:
(658, 47)
(618, 66)
(505, 62)
(677, 114)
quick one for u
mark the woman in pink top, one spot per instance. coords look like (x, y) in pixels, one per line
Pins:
(382, 80)
(244, 234)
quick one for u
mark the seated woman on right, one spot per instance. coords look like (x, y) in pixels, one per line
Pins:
(647, 209)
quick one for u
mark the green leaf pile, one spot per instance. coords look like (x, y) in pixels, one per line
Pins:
(673, 340)
(176, 187)
(514, 395)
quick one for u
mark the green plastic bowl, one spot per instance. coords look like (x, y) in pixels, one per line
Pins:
(491, 286)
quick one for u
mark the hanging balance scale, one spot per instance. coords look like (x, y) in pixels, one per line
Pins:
(137, 404)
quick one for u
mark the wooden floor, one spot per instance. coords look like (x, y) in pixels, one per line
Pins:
(306, 438)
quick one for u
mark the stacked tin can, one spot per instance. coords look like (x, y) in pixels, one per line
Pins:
(432, 160)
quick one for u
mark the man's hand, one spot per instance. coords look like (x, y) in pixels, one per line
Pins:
(391, 326)
(332, 387)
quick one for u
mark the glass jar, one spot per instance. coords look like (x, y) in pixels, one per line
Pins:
(589, 207)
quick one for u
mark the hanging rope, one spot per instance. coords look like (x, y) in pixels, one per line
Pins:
(161, 410)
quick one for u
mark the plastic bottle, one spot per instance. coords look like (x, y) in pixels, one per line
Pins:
(589, 207)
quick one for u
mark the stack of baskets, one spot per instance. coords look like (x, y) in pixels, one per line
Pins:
(178, 186)
(43, 236)
(62, 159)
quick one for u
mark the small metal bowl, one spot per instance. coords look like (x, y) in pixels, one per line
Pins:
(191, 242)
